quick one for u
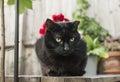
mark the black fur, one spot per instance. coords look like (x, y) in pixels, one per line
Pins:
(54, 59)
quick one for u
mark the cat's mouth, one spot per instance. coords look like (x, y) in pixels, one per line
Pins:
(65, 54)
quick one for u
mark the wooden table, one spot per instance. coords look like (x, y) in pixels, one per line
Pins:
(35, 78)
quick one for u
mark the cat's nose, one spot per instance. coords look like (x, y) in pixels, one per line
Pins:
(66, 47)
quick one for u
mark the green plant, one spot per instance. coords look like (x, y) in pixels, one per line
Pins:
(93, 33)
(89, 26)
(94, 47)
(23, 4)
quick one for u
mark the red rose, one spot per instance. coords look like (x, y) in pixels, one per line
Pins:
(43, 29)
(44, 26)
(60, 17)
(56, 18)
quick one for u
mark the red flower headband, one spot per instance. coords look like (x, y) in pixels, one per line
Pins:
(55, 18)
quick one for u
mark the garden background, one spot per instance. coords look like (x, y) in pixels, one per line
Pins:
(106, 12)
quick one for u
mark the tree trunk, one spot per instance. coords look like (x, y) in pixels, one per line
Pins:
(2, 44)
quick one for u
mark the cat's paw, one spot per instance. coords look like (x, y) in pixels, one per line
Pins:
(82, 73)
(52, 73)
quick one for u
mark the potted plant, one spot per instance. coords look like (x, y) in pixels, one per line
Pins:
(94, 51)
(111, 65)
(93, 33)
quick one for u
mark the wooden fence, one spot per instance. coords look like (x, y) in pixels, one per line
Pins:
(106, 12)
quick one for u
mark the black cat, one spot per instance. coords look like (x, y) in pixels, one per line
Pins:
(61, 51)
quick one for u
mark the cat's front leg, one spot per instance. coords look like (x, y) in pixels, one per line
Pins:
(57, 73)
(78, 73)
(73, 73)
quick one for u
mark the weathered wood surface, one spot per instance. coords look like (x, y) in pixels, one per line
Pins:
(106, 12)
(113, 78)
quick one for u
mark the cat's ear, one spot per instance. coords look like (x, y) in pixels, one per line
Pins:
(75, 25)
(49, 23)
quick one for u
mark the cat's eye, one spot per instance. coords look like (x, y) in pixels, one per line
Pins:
(58, 39)
(72, 39)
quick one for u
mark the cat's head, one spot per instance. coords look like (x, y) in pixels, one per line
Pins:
(61, 37)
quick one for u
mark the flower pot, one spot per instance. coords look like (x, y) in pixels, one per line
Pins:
(110, 65)
(91, 67)
(114, 53)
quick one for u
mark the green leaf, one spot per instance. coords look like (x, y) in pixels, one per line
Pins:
(25, 4)
(89, 41)
(28, 4)
(99, 52)
(96, 43)
(22, 6)
(11, 2)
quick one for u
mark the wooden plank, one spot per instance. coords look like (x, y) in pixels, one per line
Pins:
(113, 79)
(9, 62)
(105, 78)
(29, 62)
(77, 79)
(52, 79)
(24, 79)
(9, 79)
(108, 16)
(30, 78)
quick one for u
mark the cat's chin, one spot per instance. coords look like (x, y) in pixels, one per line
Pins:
(64, 55)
